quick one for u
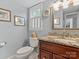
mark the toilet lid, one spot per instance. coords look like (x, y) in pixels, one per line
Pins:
(24, 50)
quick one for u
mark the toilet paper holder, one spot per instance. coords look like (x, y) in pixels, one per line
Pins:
(2, 44)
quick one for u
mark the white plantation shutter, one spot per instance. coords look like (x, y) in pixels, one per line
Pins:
(36, 23)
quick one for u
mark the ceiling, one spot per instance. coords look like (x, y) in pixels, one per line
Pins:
(29, 3)
(22, 3)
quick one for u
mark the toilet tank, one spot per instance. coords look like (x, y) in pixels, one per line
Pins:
(33, 42)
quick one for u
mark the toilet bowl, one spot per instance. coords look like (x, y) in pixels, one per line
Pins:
(23, 52)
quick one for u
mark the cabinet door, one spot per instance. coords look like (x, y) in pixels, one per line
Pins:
(45, 55)
(58, 57)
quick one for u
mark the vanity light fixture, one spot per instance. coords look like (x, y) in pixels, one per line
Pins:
(61, 4)
(71, 3)
(57, 5)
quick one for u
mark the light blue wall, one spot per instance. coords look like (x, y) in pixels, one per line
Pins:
(13, 35)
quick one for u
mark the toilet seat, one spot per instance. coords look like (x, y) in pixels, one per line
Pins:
(24, 50)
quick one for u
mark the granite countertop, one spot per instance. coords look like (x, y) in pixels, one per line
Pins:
(67, 42)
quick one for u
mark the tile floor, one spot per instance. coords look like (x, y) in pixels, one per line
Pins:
(33, 55)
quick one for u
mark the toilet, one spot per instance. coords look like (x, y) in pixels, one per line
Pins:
(23, 52)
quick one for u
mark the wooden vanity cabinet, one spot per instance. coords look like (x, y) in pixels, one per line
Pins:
(45, 55)
(58, 57)
(56, 51)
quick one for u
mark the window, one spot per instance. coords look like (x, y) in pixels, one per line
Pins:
(36, 22)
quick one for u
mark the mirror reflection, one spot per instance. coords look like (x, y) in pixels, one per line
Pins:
(71, 21)
(65, 14)
(58, 19)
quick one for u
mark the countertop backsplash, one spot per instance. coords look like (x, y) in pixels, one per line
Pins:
(71, 32)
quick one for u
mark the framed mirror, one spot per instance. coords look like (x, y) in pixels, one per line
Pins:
(65, 15)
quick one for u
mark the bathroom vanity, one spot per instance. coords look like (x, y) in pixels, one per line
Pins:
(57, 49)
